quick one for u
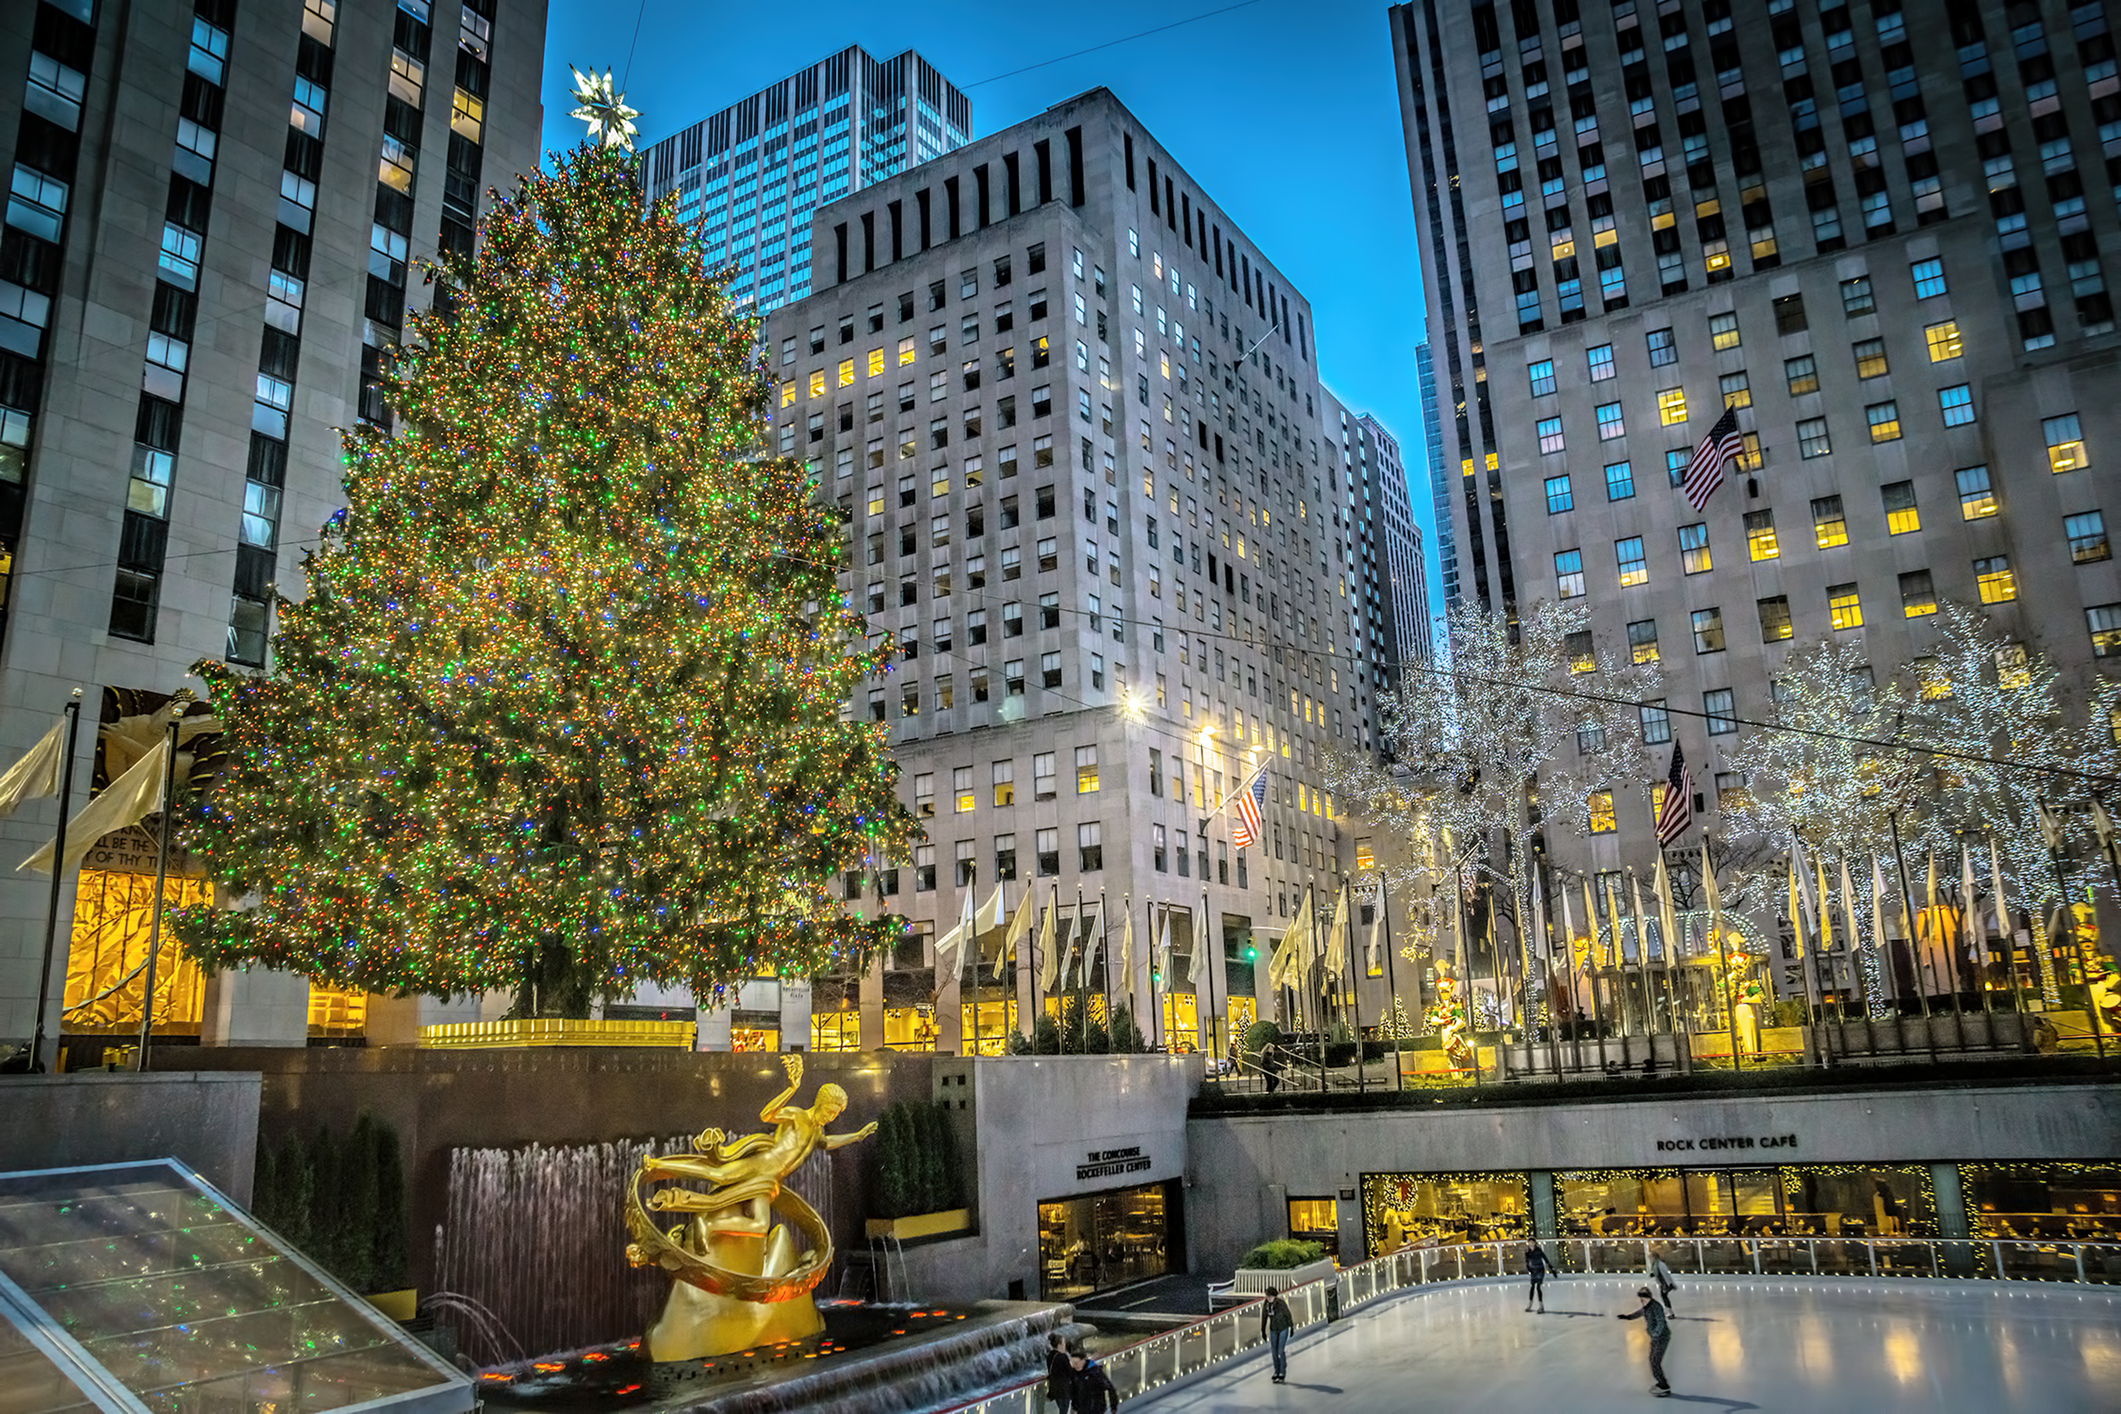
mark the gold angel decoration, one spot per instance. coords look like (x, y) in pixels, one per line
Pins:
(741, 1278)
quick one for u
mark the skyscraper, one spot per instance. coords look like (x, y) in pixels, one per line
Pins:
(213, 206)
(1874, 230)
(756, 170)
(1072, 419)
(1438, 473)
(1387, 583)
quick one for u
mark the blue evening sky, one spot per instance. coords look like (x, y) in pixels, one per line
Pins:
(1285, 112)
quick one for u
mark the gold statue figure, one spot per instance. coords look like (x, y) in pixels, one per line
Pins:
(742, 1279)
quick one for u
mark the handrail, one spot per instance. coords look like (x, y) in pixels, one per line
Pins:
(1191, 1349)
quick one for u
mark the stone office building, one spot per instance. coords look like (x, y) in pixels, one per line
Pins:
(1073, 423)
(212, 209)
(1874, 229)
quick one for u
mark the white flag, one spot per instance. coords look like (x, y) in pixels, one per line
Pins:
(2104, 826)
(1976, 935)
(2004, 921)
(126, 801)
(1048, 963)
(950, 946)
(1877, 907)
(36, 775)
(1126, 950)
(1337, 936)
(1200, 941)
(1019, 929)
(1163, 949)
(1093, 944)
(1068, 959)
(2050, 827)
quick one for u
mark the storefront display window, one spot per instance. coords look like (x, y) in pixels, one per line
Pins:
(910, 1028)
(754, 1038)
(1316, 1220)
(2060, 1202)
(836, 1030)
(1181, 1022)
(1810, 1200)
(1103, 1241)
(988, 1025)
(336, 1011)
(1399, 1208)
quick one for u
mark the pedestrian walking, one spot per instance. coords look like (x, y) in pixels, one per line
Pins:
(1536, 1264)
(1270, 1065)
(1060, 1375)
(1275, 1323)
(1093, 1388)
(1660, 1331)
(1662, 1275)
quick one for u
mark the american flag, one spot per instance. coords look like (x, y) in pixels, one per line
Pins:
(1676, 812)
(1705, 472)
(1249, 829)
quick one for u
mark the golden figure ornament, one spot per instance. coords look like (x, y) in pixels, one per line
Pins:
(742, 1280)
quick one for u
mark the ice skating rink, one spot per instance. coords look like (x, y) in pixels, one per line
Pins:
(1786, 1346)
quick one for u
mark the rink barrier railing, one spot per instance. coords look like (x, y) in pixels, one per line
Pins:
(1199, 1346)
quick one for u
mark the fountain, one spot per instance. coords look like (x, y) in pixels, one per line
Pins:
(527, 1252)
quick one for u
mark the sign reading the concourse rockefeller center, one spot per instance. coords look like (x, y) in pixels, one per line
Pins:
(1714, 1143)
(1110, 1163)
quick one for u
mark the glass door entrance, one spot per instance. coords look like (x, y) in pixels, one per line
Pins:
(1103, 1241)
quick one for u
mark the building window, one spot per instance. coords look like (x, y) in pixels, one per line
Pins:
(1049, 669)
(1694, 555)
(1802, 374)
(1884, 419)
(1159, 849)
(1042, 776)
(1918, 594)
(1736, 390)
(1581, 651)
(1717, 705)
(1902, 516)
(1856, 297)
(1774, 618)
(2087, 537)
(1600, 358)
(1568, 574)
(1671, 406)
(1090, 846)
(1656, 722)
(1957, 405)
(1708, 630)
(1977, 501)
(1871, 361)
(1812, 439)
(1600, 803)
(961, 795)
(1676, 460)
(1993, 576)
(2104, 622)
(1558, 497)
(1943, 340)
(1002, 774)
(1610, 422)
(1723, 332)
(1829, 527)
(1542, 376)
(1730, 791)
(1590, 737)
(1642, 641)
(1663, 348)
(1047, 845)
(1549, 435)
(1619, 481)
(1634, 567)
(1843, 606)
(1789, 315)
(1928, 276)
(2065, 444)
(1760, 535)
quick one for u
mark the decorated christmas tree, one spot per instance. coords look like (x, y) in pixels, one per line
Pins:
(561, 712)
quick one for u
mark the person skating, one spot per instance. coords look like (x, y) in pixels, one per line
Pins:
(1662, 1275)
(1060, 1374)
(1275, 1323)
(1536, 1264)
(1660, 1331)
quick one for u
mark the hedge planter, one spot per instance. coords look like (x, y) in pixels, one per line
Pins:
(906, 1229)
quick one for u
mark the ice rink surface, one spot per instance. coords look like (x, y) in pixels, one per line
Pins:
(1784, 1346)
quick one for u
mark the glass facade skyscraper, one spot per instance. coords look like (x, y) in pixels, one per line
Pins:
(757, 169)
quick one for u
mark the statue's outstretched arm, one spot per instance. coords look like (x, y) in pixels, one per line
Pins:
(793, 1064)
(841, 1141)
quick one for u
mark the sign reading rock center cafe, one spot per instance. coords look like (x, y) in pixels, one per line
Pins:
(1705, 1143)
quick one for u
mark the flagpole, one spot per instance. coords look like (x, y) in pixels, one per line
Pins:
(1204, 938)
(1914, 944)
(1156, 1011)
(1384, 902)
(1355, 981)
(154, 928)
(1317, 998)
(1104, 947)
(51, 911)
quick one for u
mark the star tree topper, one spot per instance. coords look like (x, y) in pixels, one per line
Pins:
(610, 120)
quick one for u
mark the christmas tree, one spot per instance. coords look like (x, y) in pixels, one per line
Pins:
(561, 713)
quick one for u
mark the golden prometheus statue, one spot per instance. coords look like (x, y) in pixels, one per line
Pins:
(741, 1279)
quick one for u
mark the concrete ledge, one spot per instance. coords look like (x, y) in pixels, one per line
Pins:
(207, 1121)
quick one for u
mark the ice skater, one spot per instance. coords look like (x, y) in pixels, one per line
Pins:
(1660, 1331)
(1275, 1323)
(1536, 1263)
(1662, 1275)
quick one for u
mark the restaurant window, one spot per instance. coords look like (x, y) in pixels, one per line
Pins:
(1399, 1208)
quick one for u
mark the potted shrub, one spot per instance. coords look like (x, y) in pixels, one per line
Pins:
(915, 1181)
(1280, 1262)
